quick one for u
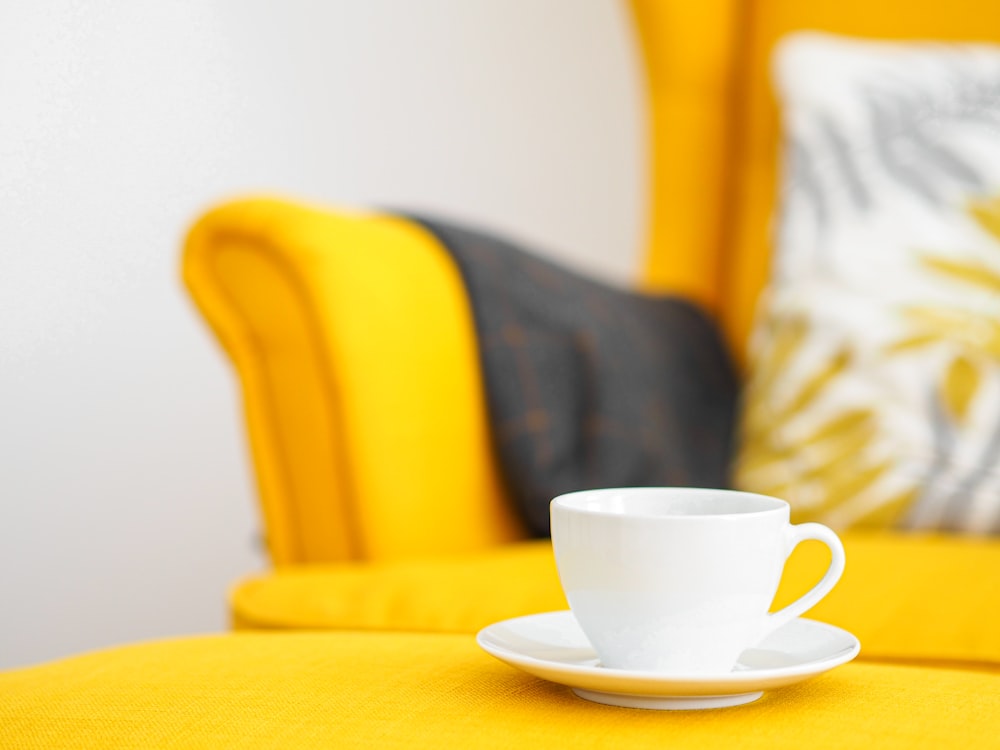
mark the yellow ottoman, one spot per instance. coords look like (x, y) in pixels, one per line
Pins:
(397, 690)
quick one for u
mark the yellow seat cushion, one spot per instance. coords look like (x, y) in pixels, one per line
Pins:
(327, 690)
(445, 594)
(913, 598)
(909, 597)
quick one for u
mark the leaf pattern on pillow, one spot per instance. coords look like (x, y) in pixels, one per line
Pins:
(971, 272)
(907, 142)
(961, 381)
(987, 213)
(873, 394)
(973, 341)
(805, 464)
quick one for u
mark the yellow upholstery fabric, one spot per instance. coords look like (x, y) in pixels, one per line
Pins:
(908, 598)
(755, 156)
(445, 594)
(918, 598)
(689, 50)
(332, 690)
(354, 344)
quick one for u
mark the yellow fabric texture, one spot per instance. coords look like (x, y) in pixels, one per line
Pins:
(327, 690)
(689, 50)
(354, 344)
(918, 598)
(755, 154)
(445, 594)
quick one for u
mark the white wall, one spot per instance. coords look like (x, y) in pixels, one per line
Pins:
(126, 500)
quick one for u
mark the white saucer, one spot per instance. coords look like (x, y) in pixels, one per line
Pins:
(552, 646)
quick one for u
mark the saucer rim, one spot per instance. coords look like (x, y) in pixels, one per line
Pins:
(744, 680)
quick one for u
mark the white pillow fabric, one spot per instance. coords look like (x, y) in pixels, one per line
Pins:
(874, 383)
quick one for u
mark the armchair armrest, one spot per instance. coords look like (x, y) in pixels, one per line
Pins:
(354, 345)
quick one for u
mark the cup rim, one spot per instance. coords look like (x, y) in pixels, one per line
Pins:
(570, 501)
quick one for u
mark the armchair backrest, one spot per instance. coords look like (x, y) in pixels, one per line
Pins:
(715, 128)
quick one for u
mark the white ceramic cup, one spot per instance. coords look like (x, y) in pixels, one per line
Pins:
(679, 580)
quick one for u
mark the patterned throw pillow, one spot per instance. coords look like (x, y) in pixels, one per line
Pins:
(874, 388)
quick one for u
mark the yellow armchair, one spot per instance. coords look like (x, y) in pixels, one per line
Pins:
(352, 337)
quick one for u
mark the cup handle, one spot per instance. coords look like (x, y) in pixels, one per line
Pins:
(796, 534)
